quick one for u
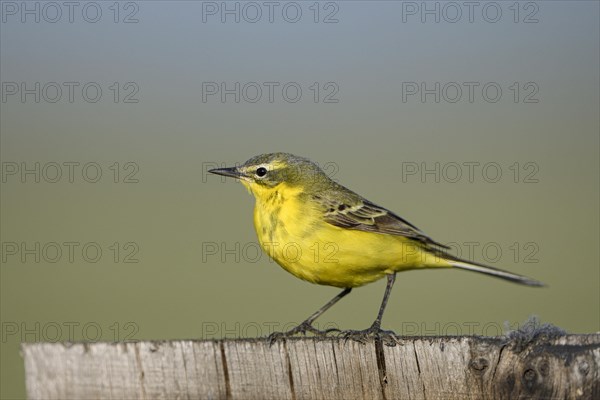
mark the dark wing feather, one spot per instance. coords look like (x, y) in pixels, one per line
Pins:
(369, 217)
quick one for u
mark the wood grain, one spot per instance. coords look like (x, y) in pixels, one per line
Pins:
(565, 367)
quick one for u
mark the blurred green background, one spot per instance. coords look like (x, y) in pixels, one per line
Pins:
(157, 128)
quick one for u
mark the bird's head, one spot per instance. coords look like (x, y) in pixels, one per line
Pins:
(263, 173)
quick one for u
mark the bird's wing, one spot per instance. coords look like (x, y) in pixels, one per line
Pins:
(363, 215)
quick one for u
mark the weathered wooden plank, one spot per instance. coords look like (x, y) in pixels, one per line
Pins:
(565, 367)
(331, 369)
(256, 370)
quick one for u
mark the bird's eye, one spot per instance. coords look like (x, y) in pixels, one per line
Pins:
(262, 171)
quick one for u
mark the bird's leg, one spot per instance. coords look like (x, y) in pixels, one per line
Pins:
(306, 326)
(388, 290)
(375, 329)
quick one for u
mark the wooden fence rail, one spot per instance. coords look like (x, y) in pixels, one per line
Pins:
(469, 367)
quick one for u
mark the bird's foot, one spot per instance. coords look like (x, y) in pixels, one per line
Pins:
(302, 329)
(389, 338)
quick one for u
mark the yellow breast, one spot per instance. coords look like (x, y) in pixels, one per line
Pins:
(292, 232)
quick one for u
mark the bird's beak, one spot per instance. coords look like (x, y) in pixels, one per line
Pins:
(232, 172)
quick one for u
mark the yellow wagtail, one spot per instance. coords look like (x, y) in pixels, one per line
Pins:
(324, 233)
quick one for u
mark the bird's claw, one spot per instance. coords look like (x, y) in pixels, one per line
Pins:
(301, 329)
(389, 338)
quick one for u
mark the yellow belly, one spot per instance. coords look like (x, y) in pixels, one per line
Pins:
(296, 237)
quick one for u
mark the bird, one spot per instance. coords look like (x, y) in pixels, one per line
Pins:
(324, 233)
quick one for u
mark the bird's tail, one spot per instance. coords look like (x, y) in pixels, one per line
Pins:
(485, 269)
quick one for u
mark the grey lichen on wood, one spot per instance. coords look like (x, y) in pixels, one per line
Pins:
(563, 367)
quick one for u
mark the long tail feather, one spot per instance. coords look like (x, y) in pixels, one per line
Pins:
(484, 269)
